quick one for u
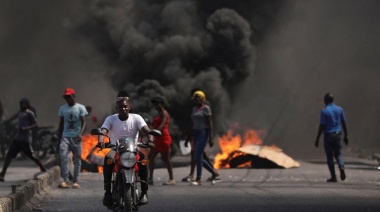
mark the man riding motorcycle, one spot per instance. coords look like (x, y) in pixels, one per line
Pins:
(123, 124)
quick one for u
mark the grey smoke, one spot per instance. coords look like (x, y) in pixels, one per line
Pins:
(312, 48)
(264, 64)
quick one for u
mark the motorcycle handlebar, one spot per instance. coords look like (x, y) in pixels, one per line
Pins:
(146, 144)
(140, 144)
(106, 145)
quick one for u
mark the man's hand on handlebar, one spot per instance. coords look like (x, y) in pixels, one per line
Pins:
(101, 144)
(151, 144)
(148, 144)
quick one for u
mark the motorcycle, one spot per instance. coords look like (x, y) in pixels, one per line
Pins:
(44, 141)
(125, 176)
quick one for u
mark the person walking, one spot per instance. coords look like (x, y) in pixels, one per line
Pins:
(123, 124)
(26, 121)
(10, 124)
(162, 143)
(202, 132)
(72, 123)
(206, 160)
(332, 121)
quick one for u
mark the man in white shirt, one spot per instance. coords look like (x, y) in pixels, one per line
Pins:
(123, 124)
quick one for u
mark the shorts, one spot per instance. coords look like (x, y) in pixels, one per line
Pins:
(18, 146)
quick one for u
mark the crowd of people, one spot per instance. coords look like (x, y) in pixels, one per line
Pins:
(73, 118)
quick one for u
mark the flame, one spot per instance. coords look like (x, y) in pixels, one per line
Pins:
(88, 147)
(232, 141)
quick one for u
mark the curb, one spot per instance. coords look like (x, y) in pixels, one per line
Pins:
(24, 193)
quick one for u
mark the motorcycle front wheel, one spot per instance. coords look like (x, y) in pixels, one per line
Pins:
(126, 197)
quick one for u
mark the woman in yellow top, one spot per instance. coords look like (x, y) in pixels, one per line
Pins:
(202, 129)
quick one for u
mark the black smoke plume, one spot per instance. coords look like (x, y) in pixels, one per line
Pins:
(166, 48)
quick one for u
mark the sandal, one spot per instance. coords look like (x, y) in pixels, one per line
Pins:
(64, 184)
(169, 182)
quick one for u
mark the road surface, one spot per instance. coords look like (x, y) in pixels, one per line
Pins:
(244, 189)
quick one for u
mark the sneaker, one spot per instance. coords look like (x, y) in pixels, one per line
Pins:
(214, 177)
(332, 180)
(188, 178)
(342, 174)
(64, 184)
(76, 185)
(143, 200)
(216, 181)
(169, 182)
(196, 183)
(107, 199)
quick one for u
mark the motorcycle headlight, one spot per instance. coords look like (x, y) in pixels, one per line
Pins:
(128, 159)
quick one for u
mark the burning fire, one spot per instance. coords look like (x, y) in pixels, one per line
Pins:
(231, 142)
(90, 153)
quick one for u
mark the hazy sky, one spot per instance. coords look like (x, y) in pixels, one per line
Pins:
(40, 57)
(316, 47)
(263, 64)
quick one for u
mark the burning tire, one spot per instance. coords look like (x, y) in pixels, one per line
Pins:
(255, 161)
(239, 160)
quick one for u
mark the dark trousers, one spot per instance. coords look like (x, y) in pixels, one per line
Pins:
(108, 169)
(333, 148)
(15, 148)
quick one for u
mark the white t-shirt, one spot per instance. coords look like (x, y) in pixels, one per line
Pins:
(128, 128)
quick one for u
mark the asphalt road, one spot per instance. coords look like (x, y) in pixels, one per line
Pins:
(244, 189)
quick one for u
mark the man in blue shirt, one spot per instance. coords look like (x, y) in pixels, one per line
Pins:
(72, 123)
(332, 120)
